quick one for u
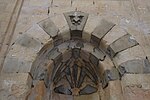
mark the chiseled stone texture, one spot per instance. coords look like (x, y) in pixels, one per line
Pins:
(15, 86)
(136, 86)
(38, 92)
(123, 13)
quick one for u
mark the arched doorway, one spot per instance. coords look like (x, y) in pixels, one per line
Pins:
(76, 67)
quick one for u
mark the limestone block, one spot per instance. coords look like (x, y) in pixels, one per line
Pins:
(136, 79)
(13, 64)
(38, 3)
(67, 55)
(38, 92)
(88, 47)
(100, 31)
(94, 60)
(65, 33)
(123, 43)
(106, 64)
(63, 47)
(28, 42)
(57, 40)
(15, 86)
(136, 86)
(135, 52)
(84, 55)
(136, 66)
(111, 36)
(86, 36)
(92, 22)
(38, 33)
(55, 55)
(94, 96)
(115, 90)
(49, 27)
(99, 54)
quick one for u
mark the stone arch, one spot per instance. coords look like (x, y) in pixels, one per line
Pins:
(32, 48)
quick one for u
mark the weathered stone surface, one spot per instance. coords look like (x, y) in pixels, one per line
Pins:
(57, 40)
(100, 31)
(109, 75)
(136, 66)
(13, 64)
(38, 33)
(114, 90)
(136, 86)
(94, 60)
(99, 54)
(133, 66)
(135, 92)
(28, 42)
(135, 52)
(125, 42)
(147, 65)
(76, 20)
(15, 86)
(84, 55)
(49, 27)
(38, 92)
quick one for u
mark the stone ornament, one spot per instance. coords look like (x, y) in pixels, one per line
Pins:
(76, 20)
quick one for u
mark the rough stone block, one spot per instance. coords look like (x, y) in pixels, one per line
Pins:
(38, 92)
(94, 60)
(15, 86)
(115, 90)
(123, 43)
(49, 27)
(132, 66)
(57, 40)
(136, 86)
(16, 65)
(55, 55)
(67, 55)
(29, 42)
(99, 54)
(38, 33)
(100, 31)
(135, 52)
(84, 55)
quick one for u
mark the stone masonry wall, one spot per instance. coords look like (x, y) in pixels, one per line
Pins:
(20, 46)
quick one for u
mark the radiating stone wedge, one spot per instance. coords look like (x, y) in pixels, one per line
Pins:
(94, 60)
(56, 56)
(98, 53)
(135, 66)
(123, 43)
(100, 31)
(49, 27)
(110, 75)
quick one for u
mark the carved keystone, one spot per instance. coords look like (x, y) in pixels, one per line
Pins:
(76, 21)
